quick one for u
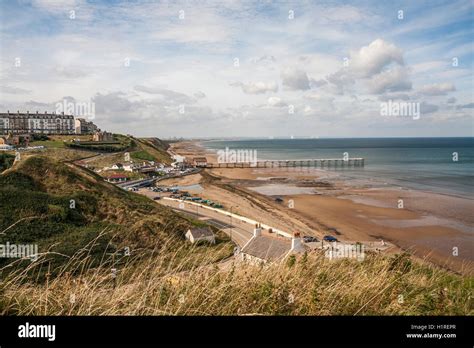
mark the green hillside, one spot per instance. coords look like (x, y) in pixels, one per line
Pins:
(63, 208)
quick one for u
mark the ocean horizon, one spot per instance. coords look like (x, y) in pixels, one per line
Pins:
(442, 165)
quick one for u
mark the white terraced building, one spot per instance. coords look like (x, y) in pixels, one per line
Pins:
(27, 123)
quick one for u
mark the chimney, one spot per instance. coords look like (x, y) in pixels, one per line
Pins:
(296, 244)
(257, 231)
(36, 112)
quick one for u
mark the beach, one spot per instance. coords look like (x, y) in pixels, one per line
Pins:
(432, 226)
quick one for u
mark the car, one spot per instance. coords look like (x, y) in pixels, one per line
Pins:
(157, 198)
(330, 239)
(309, 239)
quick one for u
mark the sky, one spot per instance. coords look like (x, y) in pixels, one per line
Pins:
(244, 68)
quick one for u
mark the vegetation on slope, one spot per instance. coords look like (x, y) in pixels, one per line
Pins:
(174, 284)
(6, 161)
(63, 208)
(153, 148)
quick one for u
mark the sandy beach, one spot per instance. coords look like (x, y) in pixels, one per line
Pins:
(431, 226)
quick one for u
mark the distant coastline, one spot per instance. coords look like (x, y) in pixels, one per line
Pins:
(416, 163)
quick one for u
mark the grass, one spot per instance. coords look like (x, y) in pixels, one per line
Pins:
(142, 155)
(48, 143)
(179, 283)
(6, 161)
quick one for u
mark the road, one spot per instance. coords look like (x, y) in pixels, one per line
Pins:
(239, 231)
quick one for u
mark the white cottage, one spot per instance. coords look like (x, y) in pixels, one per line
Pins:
(195, 235)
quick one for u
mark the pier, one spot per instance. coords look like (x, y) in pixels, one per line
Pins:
(315, 163)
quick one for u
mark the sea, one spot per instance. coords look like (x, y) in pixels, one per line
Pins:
(441, 165)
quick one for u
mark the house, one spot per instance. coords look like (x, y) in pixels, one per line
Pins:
(200, 161)
(26, 123)
(117, 166)
(265, 248)
(83, 126)
(117, 178)
(102, 136)
(195, 235)
(147, 169)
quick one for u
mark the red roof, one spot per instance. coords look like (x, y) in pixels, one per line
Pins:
(118, 176)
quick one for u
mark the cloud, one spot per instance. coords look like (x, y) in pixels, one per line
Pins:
(256, 87)
(199, 95)
(295, 79)
(168, 96)
(437, 89)
(317, 83)
(426, 108)
(465, 106)
(392, 80)
(265, 59)
(380, 66)
(13, 90)
(394, 96)
(340, 80)
(451, 100)
(370, 60)
(276, 102)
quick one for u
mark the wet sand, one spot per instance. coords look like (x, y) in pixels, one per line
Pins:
(435, 227)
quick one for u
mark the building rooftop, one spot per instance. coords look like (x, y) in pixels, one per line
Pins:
(117, 176)
(201, 232)
(267, 248)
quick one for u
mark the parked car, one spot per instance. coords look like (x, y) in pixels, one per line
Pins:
(309, 239)
(330, 239)
(157, 198)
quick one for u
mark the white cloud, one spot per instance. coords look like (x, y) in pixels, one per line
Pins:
(392, 80)
(200, 95)
(276, 101)
(371, 59)
(13, 90)
(437, 89)
(256, 87)
(295, 79)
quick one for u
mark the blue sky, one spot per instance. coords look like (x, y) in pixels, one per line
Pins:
(323, 72)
